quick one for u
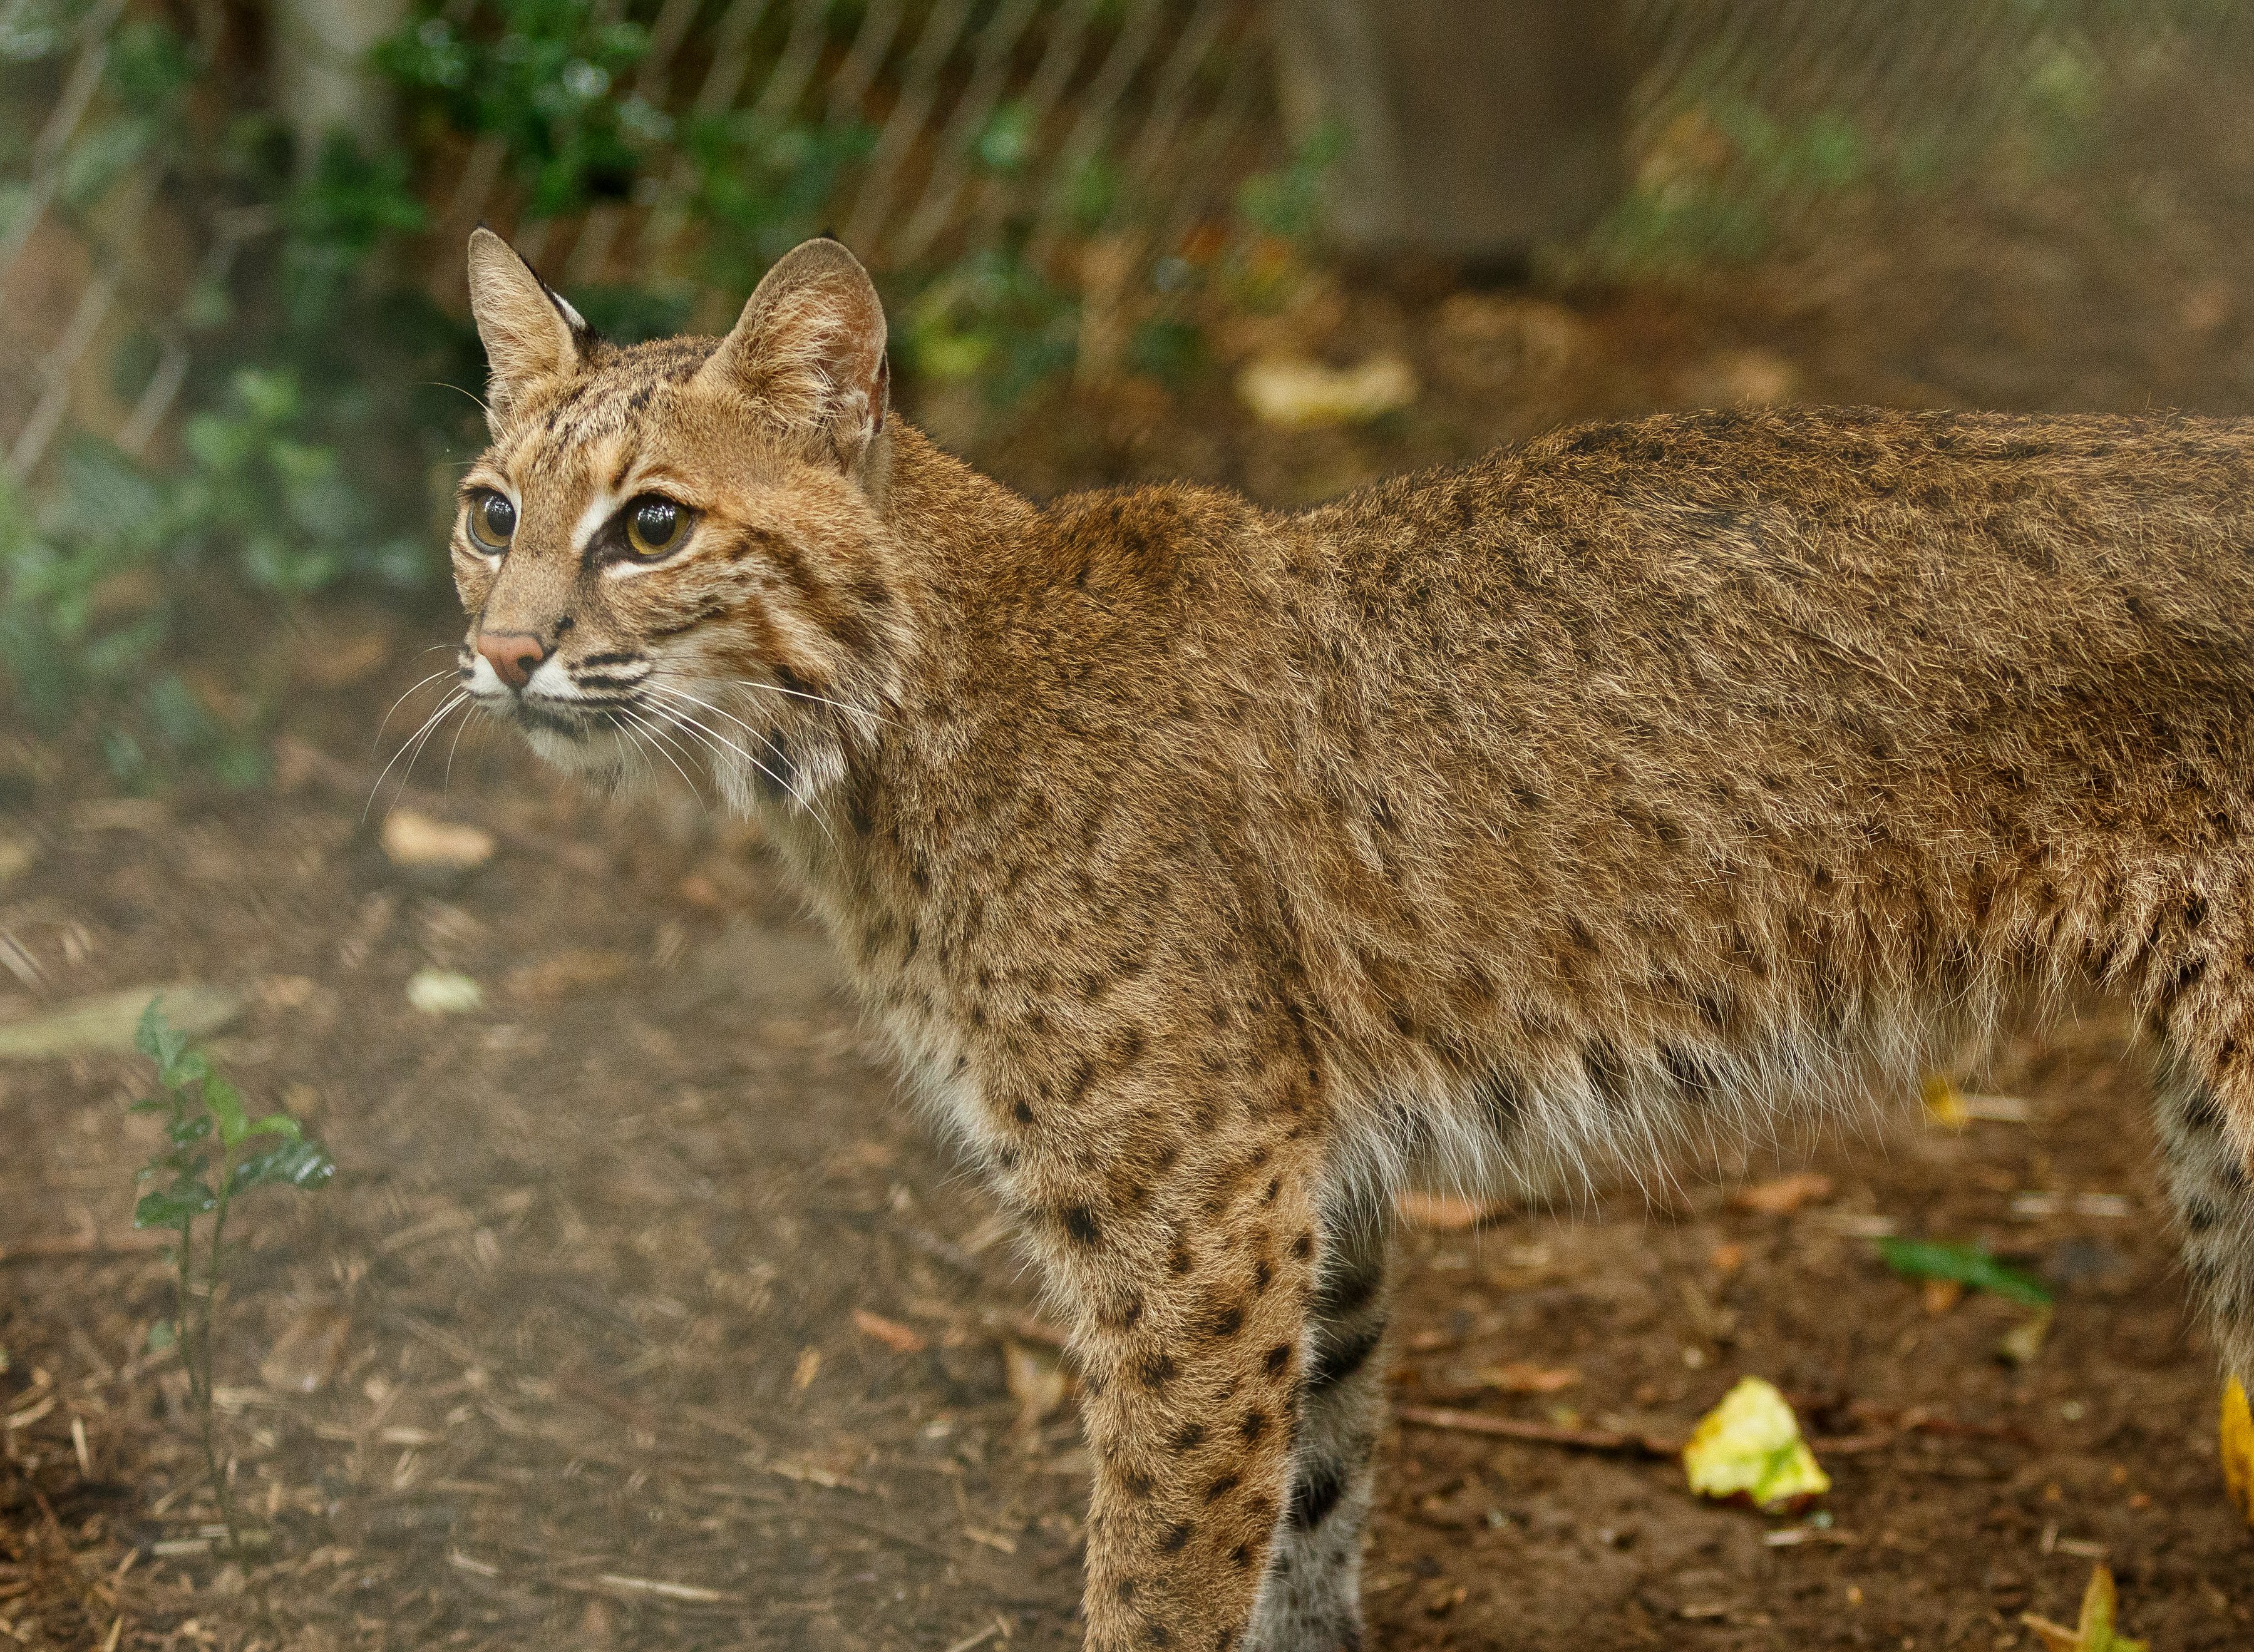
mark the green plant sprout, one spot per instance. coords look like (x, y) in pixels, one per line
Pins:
(215, 1152)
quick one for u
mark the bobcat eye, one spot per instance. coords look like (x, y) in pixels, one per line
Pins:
(493, 522)
(655, 526)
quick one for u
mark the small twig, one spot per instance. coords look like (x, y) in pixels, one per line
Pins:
(695, 1593)
(1915, 1420)
(612, 1583)
(1602, 1439)
(1587, 1439)
(1794, 1536)
(980, 1637)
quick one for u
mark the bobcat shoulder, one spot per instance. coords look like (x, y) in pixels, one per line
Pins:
(1217, 870)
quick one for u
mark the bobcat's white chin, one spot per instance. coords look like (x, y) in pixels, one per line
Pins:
(599, 752)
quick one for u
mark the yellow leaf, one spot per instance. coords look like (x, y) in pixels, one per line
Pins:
(2099, 1607)
(2095, 1633)
(2019, 1345)
(1750, 1444)
(1943, 1104)
(2238, 1449)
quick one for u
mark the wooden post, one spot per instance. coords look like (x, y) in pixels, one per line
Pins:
(321, 77)
(1474, 129)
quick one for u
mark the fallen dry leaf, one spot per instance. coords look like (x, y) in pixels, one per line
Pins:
(288, 991)
(573, 969)
(1740, 378)
(1292, 392)
(305, 1355)
(1727, 1257)
(1519, 1377)
(1532, 334)
(1037, 1379)
(803, 1375)
(1442, 1212)
(899, 1338)
(444, 992)
(2019, 1345)
(1785, 1194)
(413, 839)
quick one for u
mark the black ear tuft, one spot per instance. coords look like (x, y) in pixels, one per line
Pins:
(581, 334)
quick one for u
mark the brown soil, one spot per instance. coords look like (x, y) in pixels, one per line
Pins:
(595, 1256)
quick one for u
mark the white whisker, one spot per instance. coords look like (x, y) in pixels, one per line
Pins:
(719, 743)
(377, 738)
(762, 736)
(805, 801)
(818, 699)
(765, 739)
(414, 745)
(681, 720)
(444, 706)
(446, 780)
(638, 745)
(637, 725)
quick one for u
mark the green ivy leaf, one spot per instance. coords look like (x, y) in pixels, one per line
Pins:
(156, 1039)
(182, 1162)
(226, 1105)
(1970, 1266)
(174, 1207)
(269, 395)
(190, 1068)
(294, 1162)
(219, 443)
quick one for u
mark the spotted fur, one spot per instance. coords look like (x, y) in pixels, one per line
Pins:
(1217, 871)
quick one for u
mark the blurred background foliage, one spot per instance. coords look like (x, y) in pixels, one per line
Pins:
(284, 374)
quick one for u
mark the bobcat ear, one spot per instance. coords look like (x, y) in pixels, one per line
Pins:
(531, 334)
(810, 350)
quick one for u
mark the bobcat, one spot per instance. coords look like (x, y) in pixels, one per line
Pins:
(1216, 870)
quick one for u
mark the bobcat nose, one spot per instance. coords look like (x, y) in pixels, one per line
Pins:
(511, 655)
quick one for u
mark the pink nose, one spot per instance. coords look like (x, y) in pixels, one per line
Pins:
(511, 655)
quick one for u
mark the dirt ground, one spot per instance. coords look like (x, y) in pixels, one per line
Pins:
(644, 1314)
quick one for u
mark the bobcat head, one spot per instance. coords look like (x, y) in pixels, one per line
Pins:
(679, 552)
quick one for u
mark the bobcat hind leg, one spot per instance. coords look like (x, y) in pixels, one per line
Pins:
(2210, 1189)
(1312, 1598)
